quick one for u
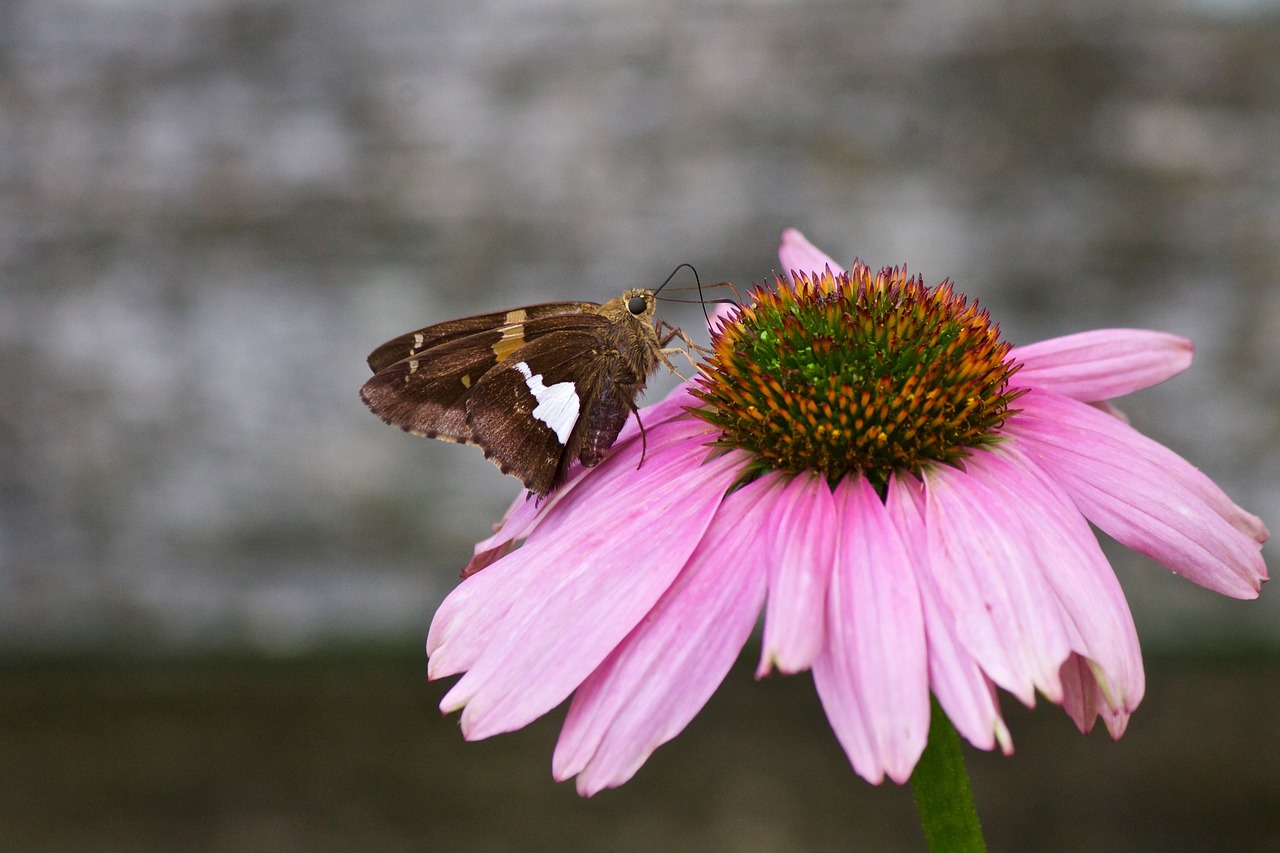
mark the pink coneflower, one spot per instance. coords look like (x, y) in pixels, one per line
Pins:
(904, 496)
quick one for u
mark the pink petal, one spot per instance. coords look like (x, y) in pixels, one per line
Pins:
(872, 673)
(628, 457)
(801, 530)
(723, 313)
(986, 567)
(474, 609)
(661, 675)
(581, 591)
(1101, 364)
(526, 512)
(1081, 580)
(797, 254)
(962, 689)
(1143, 494)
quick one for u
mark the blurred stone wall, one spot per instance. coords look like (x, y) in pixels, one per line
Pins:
(211, 210)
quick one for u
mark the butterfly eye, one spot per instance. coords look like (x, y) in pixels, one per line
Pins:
(636, 305)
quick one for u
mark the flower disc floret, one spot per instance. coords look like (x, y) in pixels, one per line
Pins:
(855, 372)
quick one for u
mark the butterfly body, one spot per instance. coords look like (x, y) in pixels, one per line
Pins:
(534, 387)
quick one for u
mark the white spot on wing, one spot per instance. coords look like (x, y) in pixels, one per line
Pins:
(557, 404)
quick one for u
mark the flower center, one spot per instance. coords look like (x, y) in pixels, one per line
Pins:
(855, 372)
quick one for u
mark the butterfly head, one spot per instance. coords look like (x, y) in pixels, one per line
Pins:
(640, 304)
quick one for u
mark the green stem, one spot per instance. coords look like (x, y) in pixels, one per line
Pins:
(941, 785)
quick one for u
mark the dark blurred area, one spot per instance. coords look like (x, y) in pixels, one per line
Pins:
(348, 752)
(217, 569)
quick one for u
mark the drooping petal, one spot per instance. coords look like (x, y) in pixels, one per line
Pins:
(506, 533)
(872, 672)
(1080, 579)
(801, 531)
(797, 254)
(1109, 408)
(1143, 494)
(986, 567)
(1085, 700)
(591, 588)
(1101, 364)
(965, 693)
(661, 675)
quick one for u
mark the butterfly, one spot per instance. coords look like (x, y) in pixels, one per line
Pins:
(533, 387)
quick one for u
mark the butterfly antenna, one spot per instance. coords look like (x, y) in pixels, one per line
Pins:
(701, 298)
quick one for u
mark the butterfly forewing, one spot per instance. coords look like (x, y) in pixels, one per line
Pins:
(425, 393)
(414, 343)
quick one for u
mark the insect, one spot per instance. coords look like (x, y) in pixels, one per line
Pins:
(534, 387)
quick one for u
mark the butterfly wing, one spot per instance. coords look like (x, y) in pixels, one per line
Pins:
(414, 343)
(426, 392)
(529, 414)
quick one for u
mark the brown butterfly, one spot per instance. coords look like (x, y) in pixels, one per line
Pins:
(534, 387)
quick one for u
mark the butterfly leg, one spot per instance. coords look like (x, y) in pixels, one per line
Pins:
(666, 334)
(644, 439)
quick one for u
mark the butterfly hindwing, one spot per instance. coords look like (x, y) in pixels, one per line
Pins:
(528, 413)
(426, 394)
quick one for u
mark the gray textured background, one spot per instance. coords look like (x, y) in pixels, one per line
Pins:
(210, 212)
